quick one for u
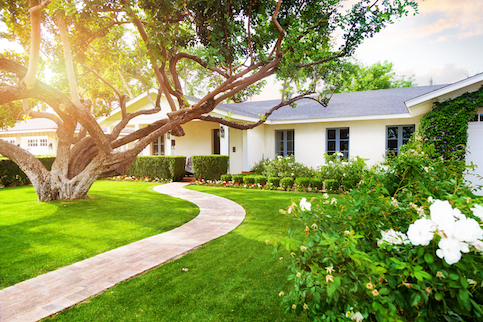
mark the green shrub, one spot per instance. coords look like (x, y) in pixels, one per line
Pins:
(237, 178)
(345, 172)
(331, 185)
(158, 166)
(250, 179)
(275, 181)
(317, 183)
(209, 167)
(225, 177)
(287, 183)
(11, 175)
(261, 180)
(302, 181)
(282, 167)
(349, 183)
(389, 250)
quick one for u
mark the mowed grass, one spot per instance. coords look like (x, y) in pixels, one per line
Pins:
(236, 277)
(37, 237)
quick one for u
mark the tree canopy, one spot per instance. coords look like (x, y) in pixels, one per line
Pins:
(354, 77)
(103, 52)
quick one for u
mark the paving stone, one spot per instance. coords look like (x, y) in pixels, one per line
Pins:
(52, 292)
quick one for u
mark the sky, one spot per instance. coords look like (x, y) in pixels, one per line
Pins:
(443, 42)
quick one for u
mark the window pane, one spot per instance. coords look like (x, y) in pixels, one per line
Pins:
(331, 146)
(392, 144)
(331, 134)
(344, 146)
(279, 135)
(481, 117)
(392, 132)
(408, 131)
(475, 118)
(344, 134)
(290, 146)
(289, 135)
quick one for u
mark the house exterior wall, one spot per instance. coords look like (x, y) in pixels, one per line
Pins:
(236, 158)
(198, 139)
(367, 139)
(48, 145)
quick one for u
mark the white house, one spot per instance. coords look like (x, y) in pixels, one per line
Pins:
(364, 124)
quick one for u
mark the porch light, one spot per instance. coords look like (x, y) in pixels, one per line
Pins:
(222, 131)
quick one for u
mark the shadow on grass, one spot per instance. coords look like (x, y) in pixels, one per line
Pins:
(40, 237)
(236, 277)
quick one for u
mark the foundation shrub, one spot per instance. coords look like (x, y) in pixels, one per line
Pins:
(261, 180)
(367, 256)
(345, 172)
(249, 179)
(237, 178)
(158, 166)
(331, 185)
(287, 183)
(282, 167)
(302, 181)
(275, 181)
(11, 175)
(209, 167)
(317, 183)
(225, 177)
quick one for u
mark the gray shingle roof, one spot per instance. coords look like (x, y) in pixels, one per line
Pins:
(368, 103)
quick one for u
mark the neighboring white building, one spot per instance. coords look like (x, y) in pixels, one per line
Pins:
(364, 124)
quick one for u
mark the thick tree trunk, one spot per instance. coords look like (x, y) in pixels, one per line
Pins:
(57, 187)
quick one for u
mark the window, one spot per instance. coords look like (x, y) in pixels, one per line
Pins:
(478, 117)
(398, 135)
(32, 143)
(338, 141)
(216, 141)
(158, 146)
(284, 142)
(11, 140)
(43, 142)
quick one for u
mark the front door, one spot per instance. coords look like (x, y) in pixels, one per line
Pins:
(216, 141)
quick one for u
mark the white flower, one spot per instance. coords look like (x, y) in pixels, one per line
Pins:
(478, 245)
(304, 204)
(450, 250)
(421, 232)
(443, 216)
(333, 201)
(339, 154)
(468, 230)
(430, 199)
(357, 317)
(392, 237)
(478, 211)
(326, 196)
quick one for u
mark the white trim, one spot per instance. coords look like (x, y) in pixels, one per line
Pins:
(444, 90)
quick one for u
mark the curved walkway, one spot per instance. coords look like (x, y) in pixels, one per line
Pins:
(44, 295)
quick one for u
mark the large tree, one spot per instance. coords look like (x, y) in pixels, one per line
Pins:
(85, 43)
(355, 77)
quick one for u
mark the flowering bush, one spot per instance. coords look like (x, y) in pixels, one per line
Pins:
(400, 247)
(345, 172)
(282, 167)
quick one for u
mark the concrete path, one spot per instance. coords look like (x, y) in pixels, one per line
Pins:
(44, 295)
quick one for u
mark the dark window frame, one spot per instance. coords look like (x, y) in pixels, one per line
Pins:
(400, 140)
(335, 140)
(283, 141)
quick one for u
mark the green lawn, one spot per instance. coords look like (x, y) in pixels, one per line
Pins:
(37, 237)
(233, 278)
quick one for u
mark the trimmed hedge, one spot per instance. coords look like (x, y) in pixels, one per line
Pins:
(11, 175)
(331, 185)
(275, 181)
(209, 167)
(226, 177)
(249, 179)
(261, 180)
(317, 183)
(158, 166)
(237, 178)
(287, 183)
(302, 181)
